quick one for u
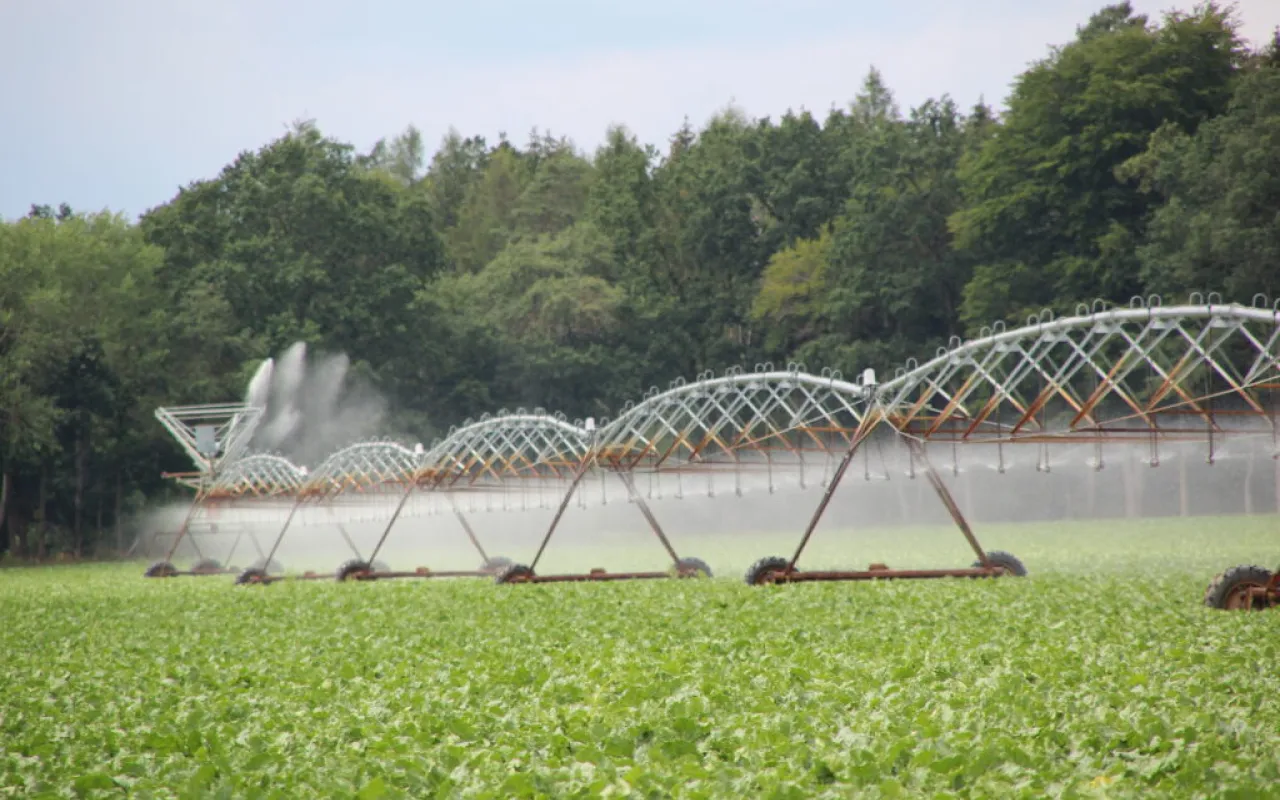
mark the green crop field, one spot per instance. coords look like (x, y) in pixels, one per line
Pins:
(1100, 675)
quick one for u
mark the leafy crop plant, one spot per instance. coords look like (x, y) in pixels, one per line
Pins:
(1100, 675)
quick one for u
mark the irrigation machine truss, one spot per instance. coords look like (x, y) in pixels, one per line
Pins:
(1149, 374)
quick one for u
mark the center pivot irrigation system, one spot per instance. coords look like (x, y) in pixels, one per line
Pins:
(1148, 374)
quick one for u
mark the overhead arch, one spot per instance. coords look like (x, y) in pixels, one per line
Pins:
(718, 419)
(259, 475)
(506, 446)
(1144, 370)
(364, 467)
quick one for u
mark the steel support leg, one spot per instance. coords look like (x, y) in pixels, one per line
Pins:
(471, 534)
(864, 429)
(578, 474)
(191, 537)
(232, 552)
(342, 530)
(944, 494)
(404, 499)
(196, 505)
(346, 537)
(266, 561)
(253, 539)
(629, 480)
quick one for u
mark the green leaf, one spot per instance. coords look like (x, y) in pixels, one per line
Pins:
(373, 790)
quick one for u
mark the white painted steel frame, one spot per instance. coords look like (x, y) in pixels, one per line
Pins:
(1132, 371)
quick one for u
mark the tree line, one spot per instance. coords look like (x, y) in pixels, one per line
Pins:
(1141, 157)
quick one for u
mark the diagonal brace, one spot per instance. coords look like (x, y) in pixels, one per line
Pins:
(944, 494)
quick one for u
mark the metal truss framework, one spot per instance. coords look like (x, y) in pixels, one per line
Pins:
(362, 468)
(258, 475)
(478, 455)
(212, 434)
(1147, 372)
(494, 450)
(1126, 373)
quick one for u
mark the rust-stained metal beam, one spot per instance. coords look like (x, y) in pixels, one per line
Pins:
(802, 576)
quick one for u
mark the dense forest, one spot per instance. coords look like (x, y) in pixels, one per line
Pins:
(1141, 157)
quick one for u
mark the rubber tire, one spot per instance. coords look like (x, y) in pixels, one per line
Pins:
(210, 565)
(1221, 587)
(252, 575)
(759, 572)
(1012, 566)
(686, 564)
(351, 568)
(496, 564)
(516, 573)
(160, 569)
(273, 568)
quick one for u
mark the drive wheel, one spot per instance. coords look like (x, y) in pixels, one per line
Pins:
(1242, 588)
(768, 570)
(253, 576)
(999, 558)
(160, 569)
(516, 573)
(352, 570)
(692, 568)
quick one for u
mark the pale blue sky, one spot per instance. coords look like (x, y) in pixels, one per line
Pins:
(116, 103)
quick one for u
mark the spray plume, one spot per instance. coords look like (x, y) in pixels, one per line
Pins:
(260, 385)
(312, 405)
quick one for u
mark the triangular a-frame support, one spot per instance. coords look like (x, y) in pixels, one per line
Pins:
(211, 434)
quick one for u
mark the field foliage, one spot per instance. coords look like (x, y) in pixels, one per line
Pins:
(1101, 675)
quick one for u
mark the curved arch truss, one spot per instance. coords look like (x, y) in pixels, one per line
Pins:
(1176, 371)
(1145, 372)
(505, 447)
(259, 475)
(719, 420)
(363, 467)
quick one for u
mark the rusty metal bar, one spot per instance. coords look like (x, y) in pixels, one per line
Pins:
(944, 494)
(865, 427)
(266, 561)
(404, 499)
(629, 480)
(346, 537)
(195, 545)
(598, 575)
(890, 574)
(564, 503)
(422, 573)
(253, 538)
(196, 505)
(466, 526)
(232, 552)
